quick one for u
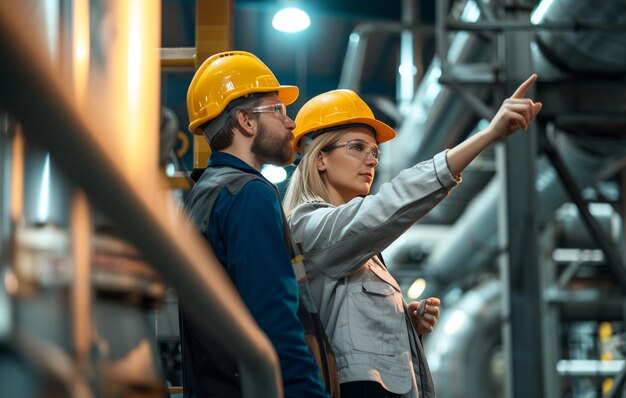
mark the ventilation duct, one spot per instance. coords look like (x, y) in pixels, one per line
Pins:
(577, 51)
(472, 242)
(591, 110)
(581, 86)
(467, 333)
(439, 118)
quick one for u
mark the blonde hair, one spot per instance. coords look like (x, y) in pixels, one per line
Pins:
(306, 182)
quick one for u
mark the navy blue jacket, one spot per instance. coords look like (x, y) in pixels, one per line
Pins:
(246, 232)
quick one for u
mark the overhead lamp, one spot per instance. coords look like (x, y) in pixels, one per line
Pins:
(291, 20)
(417, 288)
(537, 15)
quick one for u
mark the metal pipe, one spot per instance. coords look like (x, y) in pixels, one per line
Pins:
(578, 50)
(485, 11)
(6, 315)
(622, 185)
(32, 95)
(617, 390)
(478, 106)
(507, 26)
(465, 333)
(472, 242)
(610, 251)
(589, 367)
(357, 45)
(438, 119)
(589, 304)
(80, 224)
(444, 119)
(182, 57)
(441, 37)
(407, 70)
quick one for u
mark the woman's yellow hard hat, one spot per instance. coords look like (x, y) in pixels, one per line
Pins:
(335, 109)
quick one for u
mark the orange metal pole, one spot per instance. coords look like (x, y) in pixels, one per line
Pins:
(214, 34)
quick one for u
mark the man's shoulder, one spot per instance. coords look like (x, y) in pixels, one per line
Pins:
(214, 182)
(256, 190)
(225, 177)
(241, 181)
(235, 186)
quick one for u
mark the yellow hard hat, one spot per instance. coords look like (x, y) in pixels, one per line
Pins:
(334, 109)
(225, 77)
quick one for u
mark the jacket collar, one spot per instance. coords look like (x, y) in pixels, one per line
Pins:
(221, 159)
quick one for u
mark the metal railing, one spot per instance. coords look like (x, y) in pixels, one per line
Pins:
(32, 94)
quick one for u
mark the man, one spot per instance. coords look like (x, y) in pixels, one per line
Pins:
(239, 106)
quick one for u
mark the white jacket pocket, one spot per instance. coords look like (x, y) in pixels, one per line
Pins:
(375, 316)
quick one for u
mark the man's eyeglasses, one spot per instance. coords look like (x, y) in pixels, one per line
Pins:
(357, 148)
(278, 108)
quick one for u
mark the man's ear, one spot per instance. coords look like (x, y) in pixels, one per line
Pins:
(246, 123)
(321, 165)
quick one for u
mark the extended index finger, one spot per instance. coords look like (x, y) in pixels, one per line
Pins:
(521, 90)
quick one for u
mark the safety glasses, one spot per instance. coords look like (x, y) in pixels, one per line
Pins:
(356, 148)
(278, 108)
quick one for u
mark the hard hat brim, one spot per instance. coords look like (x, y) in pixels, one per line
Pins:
(288, 94)
(384, 133)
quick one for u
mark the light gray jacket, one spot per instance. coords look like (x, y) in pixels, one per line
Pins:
(360, 303)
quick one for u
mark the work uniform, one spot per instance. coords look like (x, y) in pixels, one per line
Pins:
(360, 303)
(239, 212)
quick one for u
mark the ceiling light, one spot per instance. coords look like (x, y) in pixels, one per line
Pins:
(417, 288)
(537, 15)
(291, 20)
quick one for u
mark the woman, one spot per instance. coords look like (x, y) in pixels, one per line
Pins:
(373, 331)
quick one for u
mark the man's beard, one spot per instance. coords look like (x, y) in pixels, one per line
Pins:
(271, 148)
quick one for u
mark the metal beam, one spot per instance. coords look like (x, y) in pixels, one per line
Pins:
(617, 389)
(33, 95)
(519, 231)
(214, 34)
(604, 242)
(507, 26)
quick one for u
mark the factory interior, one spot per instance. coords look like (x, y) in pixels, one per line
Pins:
(527, 255)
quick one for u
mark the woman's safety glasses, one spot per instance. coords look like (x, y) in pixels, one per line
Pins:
(357, 148)
(278, 108)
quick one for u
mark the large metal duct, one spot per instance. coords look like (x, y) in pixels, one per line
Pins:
(589, 109)
(584, 102)
(467, 333)
(439, 118)
(472, 243)
(577, 51)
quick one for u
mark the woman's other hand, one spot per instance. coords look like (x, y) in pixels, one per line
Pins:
(424, 314)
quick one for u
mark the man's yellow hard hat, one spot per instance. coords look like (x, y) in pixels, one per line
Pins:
(225, 77)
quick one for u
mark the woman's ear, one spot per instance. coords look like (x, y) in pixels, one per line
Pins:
(321, 165)
(246, 123)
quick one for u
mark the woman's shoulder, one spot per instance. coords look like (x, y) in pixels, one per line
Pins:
(308, 207)
(313, 204)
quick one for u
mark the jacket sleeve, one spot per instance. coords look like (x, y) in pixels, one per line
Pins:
(338, 240)
(259, 264)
